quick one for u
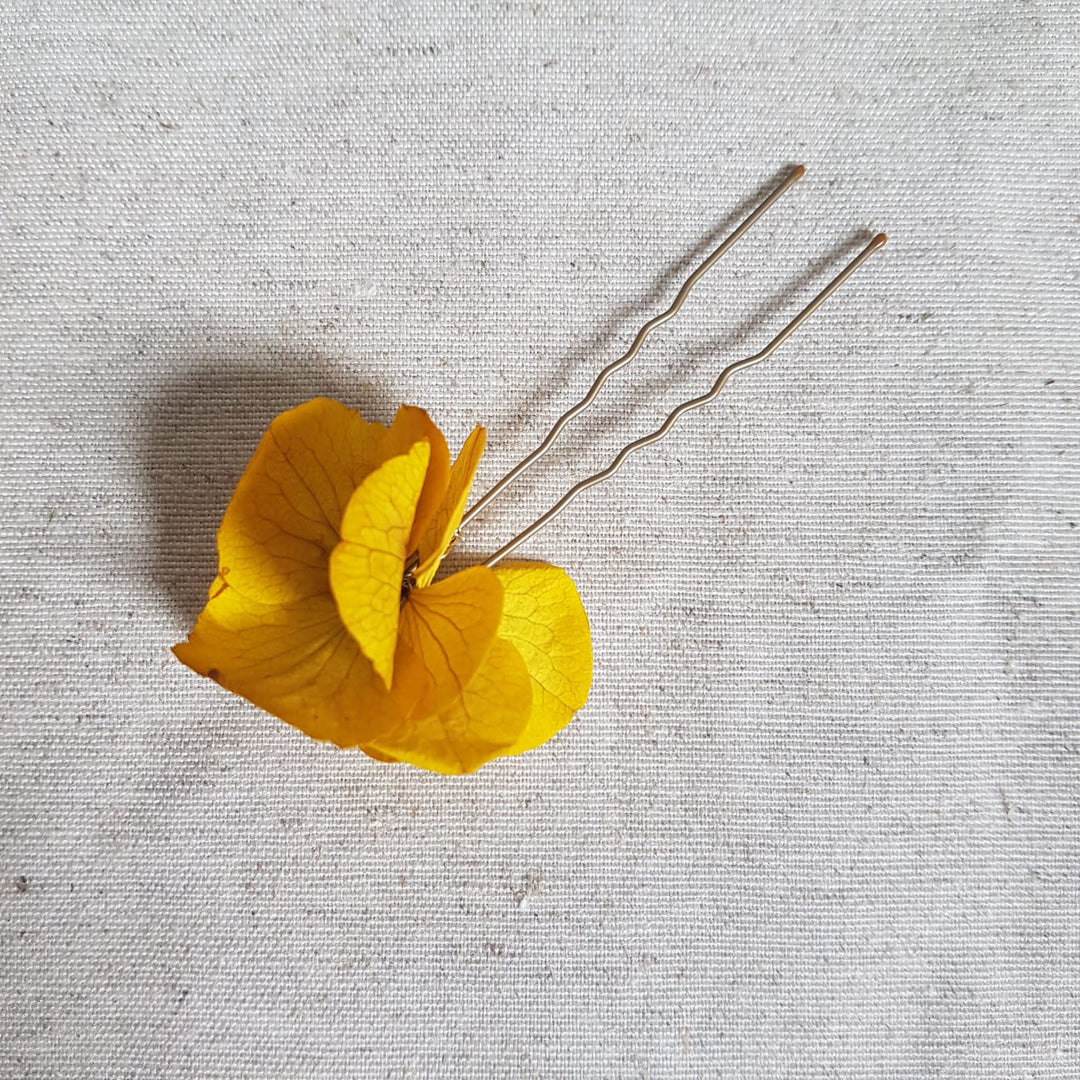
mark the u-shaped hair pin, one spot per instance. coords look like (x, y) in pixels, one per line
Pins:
(631, 353)
(328, 611)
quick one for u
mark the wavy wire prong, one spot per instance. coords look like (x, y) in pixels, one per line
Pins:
(549, 440)
(693, 403)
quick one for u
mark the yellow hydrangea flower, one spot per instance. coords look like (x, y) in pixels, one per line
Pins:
(325, 611)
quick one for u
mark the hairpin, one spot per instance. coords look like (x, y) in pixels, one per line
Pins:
(325, 610)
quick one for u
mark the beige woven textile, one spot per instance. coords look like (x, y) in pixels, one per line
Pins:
(819, 817)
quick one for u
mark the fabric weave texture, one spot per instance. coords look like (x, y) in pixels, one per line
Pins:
(819, 815)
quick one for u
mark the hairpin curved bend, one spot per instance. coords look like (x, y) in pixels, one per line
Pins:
(693, 403)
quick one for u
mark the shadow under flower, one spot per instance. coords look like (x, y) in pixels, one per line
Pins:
(200, 429)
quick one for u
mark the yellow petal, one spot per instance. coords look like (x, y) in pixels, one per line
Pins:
(463, 695)
(479, 725)
(282, 522)
(446, 519)
(412, 425)
(271, 631)
(444, 635)
(378, 756)
(543, 617)
(296, 661)
(366, 567)
(274, 631)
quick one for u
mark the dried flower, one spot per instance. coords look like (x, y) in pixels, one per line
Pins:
(325, 611)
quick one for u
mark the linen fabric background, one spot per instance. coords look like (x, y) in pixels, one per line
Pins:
(819, 815)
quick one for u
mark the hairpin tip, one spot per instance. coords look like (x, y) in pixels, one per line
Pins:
(798, 172)
(878, 240)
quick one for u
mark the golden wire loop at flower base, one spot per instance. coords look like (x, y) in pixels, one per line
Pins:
(306, 618)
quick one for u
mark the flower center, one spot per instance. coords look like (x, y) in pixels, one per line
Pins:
(408, 578)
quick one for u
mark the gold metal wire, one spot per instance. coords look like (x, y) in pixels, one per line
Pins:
(625, 359)
(685, 407)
